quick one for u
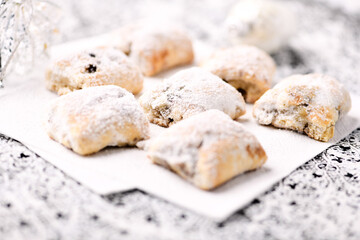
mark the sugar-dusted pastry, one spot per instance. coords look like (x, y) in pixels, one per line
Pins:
(246, 68)
(90, 119)
(155, 48)
(95, 67)
(263, 23)
(207, 149)
(189, 92)
(306, 103)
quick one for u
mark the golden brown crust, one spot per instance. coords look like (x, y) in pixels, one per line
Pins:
(311, 104)
(155, 48)
(207, 153)
(88, 120)
(232, 160)
(95, 67)
(247, 68)
(87, 146)
(189, 92)
(153, 61)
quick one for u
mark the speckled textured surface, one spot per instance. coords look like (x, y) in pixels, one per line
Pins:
(319, 200)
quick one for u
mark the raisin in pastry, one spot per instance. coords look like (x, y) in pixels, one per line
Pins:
(306, 103)
(189, 92)
(90, 119)
(95, 67)
(246, 68)
(207, 149)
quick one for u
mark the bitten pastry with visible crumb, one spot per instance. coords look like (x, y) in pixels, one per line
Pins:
(207, 149)
(246, 68)
(305, 103)
(95, 67)
(189, 92)
(155, 48)
(88, 120)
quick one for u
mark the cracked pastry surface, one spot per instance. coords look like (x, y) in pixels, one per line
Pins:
(246, 68)
(88, 120)
(95, 67)
(207, 149)
(155, 48)
(309, 103)
(189, 92)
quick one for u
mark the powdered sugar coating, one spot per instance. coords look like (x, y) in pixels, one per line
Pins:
(93, 118)
(189, 92)
(265, 24)
(244, 67)
(155, 47)
(207, 149)
(307, 103)
(94, 67)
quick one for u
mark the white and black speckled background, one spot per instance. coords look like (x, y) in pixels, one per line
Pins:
(319, 200)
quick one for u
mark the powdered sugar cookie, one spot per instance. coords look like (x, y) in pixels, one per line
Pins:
(189, 92)
(263, 23)
(207, 149)
(155, 48)
(247, 68)
(95, 67)
(306, 103)
(90, 119)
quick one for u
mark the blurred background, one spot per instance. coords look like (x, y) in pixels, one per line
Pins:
(327, 36)
(319, 200)
(324, 38)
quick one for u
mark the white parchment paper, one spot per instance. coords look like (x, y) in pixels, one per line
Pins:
(23, 109)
